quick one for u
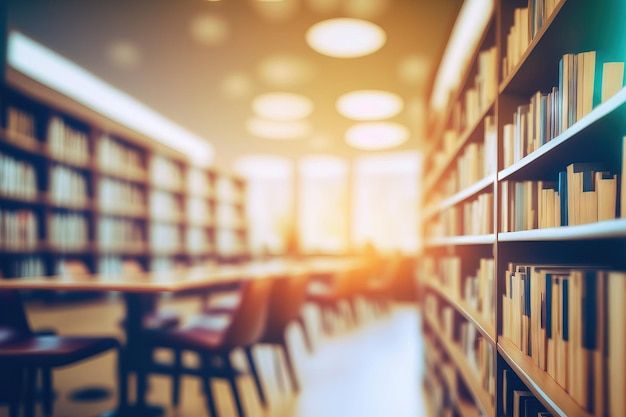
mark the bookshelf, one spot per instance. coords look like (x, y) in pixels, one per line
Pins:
(592, 135)
(80, 189)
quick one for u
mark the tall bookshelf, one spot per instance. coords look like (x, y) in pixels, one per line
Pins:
(457, 383)
(81, 193)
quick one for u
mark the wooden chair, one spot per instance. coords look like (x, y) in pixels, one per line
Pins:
(215, 345)
(23, 353)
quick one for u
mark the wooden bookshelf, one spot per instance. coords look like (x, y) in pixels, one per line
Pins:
(483, 326)
(42, 104)
(461, 240)
(543, 386)
(481, 397)
(574, 26)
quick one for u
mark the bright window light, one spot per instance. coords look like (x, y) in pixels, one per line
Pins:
(62, 75)
(373, 136)
(282, 106)
(346, 37)
(469, 25)
(369, 105)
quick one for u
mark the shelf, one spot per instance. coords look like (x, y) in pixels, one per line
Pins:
(59, 160)
(460, 196)
(608, 229)
(468, 134)
(21, 142)
(458, 93)
(542, 385)
(67, 205)
(20, 200)
(591, 127)
(140, 214)
(483, 399)
(483, 326)
(461, 240)
(141, 179)
(139, 249)
(532, 57)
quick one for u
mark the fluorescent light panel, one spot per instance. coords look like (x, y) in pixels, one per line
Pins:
(62, 75)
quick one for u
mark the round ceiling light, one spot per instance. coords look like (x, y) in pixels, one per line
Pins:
(345, 37)
(276, 130)
(282, 106)
(374, 136)
(369, 105)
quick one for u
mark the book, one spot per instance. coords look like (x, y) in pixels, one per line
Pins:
(612, 79)
(616, 294)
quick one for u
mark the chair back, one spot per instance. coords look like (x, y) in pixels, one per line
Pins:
(13, 320)
(248, 322)
(286, 299)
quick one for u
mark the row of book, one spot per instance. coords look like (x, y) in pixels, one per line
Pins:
(17, 178)
(67, 186)
(19, 229)
(114, 156)
(480, 355)
(68, 231)
(120, 196)
(198, 211)
(527, 22)
(198, 183)
(570, 321)
(476, 290)
(165, 237)
(229, 243)
(20, 122)
(228, 190)
(479, 96)
(229, 216)
(474, 217)
(115, 233)
(583, 193)
(164, 206)
(197, 240)
(166, 173)
(24, 266)
(548, 115)
(66, 142)
(517, 400)
(477, 161)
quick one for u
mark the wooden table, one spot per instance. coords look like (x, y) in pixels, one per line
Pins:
(135, 287)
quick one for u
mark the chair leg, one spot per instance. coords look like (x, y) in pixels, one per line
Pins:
(176, 377)
(208, 388)
(255, 375)
(29, 397)
(48, 395)
(232, 381)
(278, 370)
(290, 366)
(306, 334)
(122, 379)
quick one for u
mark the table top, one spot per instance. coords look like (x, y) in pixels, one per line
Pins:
(183, 279)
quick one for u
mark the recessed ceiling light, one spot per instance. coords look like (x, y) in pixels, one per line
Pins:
(369, 105)
(376, 135)
(284, 70)
(271, 129)
(345, 37)
(282, 106)
(209, 29)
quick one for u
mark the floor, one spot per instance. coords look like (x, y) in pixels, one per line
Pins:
(370, 371)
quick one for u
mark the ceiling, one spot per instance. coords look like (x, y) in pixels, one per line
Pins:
(200, 63)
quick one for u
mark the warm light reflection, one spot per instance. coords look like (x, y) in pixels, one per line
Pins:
(124, 54)
(277, 10)
(345, 37)
(271, 129)
(236, 85)
(376, 135)
(365, 9)
(369, 105)
(413, 69)
(282, 106)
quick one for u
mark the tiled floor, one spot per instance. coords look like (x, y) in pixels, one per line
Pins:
(371, 371)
